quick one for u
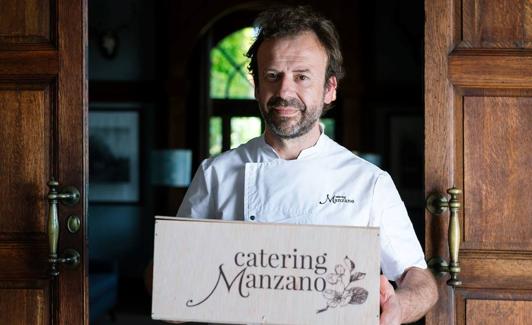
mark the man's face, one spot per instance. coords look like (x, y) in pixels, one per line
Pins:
(291, 89)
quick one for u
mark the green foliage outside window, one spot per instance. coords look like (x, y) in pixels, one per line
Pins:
(215, 135)
(229, 75)
(244, 129)
(329, 126)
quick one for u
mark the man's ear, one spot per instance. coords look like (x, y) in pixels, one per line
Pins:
(330, 90)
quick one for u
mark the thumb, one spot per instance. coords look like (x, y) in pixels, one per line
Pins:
(386, 290)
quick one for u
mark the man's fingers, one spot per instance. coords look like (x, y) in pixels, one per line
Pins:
(383, 295)
(390, 308)
(386, 289)
(390, 311)
(384, 319)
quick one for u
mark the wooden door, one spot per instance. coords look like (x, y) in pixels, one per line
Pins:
(478, 136)
(43, 135)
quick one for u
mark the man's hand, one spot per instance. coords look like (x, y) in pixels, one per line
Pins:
(390, 306)
(416, 293)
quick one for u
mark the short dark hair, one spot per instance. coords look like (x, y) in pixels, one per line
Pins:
(289, 21)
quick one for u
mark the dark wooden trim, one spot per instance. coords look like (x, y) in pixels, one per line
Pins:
(29, 63)
(440, 37)
(31, 260)
(71, 288)
(486, 69)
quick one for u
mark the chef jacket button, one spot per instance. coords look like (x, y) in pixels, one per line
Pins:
(252, 218)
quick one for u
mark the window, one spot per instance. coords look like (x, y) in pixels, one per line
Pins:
(235, 118)
(229, 75)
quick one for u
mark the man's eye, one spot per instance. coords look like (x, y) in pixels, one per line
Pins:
(302, 77)
(271, 76)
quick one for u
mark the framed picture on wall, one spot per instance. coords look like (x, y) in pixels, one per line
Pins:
(114, 153)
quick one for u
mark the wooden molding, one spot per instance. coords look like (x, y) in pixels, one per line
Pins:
(29, 63)
(491, 69)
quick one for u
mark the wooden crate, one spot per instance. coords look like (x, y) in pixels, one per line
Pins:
(242, 272)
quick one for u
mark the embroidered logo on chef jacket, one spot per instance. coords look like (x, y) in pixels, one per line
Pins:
(336, 199)
(282, 192)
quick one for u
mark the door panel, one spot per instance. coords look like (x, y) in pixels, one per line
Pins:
(27, 112)
(496, 312)
(497, 24)
(492, 307)
(497, 176)
(43, 133)
(23, 258)
(26, 22)
(14, 303)
(478, 121)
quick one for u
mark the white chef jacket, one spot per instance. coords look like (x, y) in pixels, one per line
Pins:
(325, 185)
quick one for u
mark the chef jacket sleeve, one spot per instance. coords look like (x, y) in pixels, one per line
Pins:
(197, 202)
(400, 248)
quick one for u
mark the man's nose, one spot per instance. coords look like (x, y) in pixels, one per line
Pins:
(285, 87)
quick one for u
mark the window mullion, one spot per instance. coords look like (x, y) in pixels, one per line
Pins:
(226, 132)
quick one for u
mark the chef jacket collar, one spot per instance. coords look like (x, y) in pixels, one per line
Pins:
(308, 152)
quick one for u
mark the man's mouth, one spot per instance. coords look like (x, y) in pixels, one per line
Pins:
(285, 107)
(284, 111)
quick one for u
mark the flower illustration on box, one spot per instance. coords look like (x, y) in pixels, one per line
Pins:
(344, 292)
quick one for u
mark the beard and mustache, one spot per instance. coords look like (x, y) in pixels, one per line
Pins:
(286, 127)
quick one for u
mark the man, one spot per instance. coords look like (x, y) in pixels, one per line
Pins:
(294, 172)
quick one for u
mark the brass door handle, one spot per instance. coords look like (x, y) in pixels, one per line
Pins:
(438, 204)
(68, 196)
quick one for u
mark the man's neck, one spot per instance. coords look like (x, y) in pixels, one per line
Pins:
(290, 149)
